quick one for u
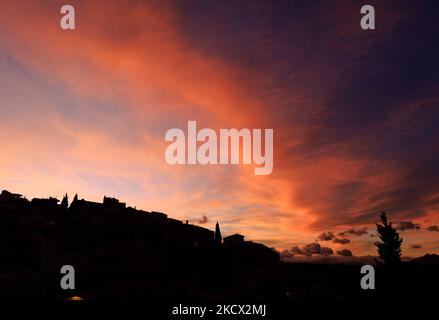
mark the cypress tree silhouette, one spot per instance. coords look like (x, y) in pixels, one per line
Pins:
(389, 249)
(218, 239)
(65, 202)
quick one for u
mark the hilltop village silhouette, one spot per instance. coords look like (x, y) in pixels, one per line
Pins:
(115, 248)
(120, 252)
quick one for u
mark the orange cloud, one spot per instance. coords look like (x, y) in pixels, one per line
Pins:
(86, 111)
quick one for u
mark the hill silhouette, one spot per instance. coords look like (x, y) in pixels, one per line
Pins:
(119, 252)
(427, 259)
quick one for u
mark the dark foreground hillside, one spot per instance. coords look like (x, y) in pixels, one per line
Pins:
(119, 252)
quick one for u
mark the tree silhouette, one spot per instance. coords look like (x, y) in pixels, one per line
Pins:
(65, 202)
(389, 248)
(218, 238)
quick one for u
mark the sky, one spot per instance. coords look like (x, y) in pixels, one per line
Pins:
(354, 113)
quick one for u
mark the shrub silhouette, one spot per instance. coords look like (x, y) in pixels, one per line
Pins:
(389, 248)
(218, 238)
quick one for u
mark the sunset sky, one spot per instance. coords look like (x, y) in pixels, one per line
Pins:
(355, 113)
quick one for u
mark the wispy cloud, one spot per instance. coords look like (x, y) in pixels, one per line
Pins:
(354, 114)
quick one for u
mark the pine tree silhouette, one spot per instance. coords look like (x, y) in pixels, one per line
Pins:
(218, 238)
(65, 202)
(389, 248)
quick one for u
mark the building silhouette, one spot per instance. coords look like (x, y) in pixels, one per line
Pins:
(233, 240)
